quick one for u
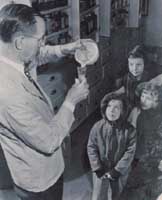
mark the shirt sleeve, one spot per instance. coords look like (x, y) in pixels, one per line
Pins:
(49, 54)
(125, 162)
(92, 149)
(30, 127)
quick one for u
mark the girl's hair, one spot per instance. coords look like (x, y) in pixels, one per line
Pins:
(154, 90)
(112, 96)
(137, 52)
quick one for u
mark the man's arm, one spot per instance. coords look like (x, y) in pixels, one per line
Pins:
(54, 53)
(30, 126)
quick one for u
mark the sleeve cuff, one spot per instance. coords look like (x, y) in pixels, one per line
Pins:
(114, 174)
(58, 51)
(69, 105)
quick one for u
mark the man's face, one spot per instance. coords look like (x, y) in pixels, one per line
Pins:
(136, 66)
(148, 101)
(113, 110)
(33, 42)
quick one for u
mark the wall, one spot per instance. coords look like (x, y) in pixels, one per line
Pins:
(152, 35)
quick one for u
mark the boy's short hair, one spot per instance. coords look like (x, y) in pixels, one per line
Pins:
(154, 90)
(15, 18)
(137, 52)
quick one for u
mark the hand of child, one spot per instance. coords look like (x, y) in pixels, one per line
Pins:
(100, 172)
(113, 175)
(108, 176)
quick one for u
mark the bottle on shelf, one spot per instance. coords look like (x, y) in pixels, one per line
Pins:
(56, 21)
(88, 24)
(83, 27)
(64, 38)
(42, 5)
(64, 20)
(84, 4)
(48, 23)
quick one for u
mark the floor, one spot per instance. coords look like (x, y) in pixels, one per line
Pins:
(78, 180)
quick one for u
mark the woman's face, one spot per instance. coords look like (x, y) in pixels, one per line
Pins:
(113, 110)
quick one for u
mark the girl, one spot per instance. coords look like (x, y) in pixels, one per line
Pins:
(111, 148)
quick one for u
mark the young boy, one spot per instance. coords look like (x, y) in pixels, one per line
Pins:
(146, 178)
(136, 75)
(111, 148)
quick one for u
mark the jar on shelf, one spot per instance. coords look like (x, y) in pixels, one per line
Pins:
(56, 21)
(92, 3)
(94, 18)
(84, 5)
(62, 38)
(83, 27)
(64, 20)
(62, 2)
(92, 22)
(48, 23)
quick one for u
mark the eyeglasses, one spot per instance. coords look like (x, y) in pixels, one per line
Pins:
(41, 41)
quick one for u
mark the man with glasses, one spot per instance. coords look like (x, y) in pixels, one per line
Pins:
(30, 134)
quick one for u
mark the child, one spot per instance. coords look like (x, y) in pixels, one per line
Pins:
(137, 74)
(146, 178)
(111, 148)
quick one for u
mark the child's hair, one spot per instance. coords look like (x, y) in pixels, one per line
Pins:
(112, 96)
(137, 52)
(154, 90)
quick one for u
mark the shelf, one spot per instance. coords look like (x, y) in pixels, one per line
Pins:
(45, 12)
(57, 33)
(93, 32)
(83, 13)
(93, 35)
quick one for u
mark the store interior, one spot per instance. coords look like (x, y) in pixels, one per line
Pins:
(116, 26)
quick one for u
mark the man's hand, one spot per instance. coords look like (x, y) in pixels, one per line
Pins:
(78, 92)
(70, 47)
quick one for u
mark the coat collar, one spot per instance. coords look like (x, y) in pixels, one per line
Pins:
(19, 78)
(17, 66)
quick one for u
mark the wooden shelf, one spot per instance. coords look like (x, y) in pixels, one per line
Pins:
(83, 13)
(57, 33)
(45, 12)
